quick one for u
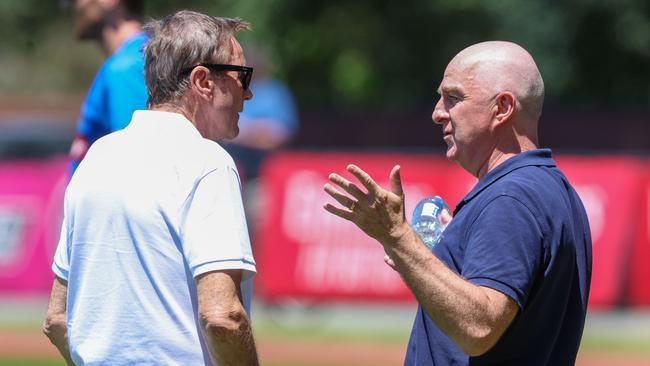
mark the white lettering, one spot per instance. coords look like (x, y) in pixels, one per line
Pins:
(346, 268)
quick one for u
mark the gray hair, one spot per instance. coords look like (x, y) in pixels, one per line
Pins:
(181, 41)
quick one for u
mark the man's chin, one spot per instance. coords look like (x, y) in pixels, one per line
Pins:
(451, 153)
(234, 134)
(87, 35)
(88, 31)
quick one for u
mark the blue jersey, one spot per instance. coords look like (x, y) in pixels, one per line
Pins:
(522, 231)
(117, 91)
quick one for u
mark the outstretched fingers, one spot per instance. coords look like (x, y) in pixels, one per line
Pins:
(347, 186)
(344, 200)
(365, 179)
(348, 215)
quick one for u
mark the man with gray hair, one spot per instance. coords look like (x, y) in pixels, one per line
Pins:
(508, 282)
(154, 265)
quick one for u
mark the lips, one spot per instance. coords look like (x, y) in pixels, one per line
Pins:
(448, 137)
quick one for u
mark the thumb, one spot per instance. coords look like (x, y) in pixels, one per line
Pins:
(396, 181)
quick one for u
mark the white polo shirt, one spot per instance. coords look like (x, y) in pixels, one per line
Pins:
(150, 208)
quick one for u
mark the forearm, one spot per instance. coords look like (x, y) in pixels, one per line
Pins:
(473, 317)
(55, 324)
(462, 310)
(224, 321)
(230, 340)
(58, 335)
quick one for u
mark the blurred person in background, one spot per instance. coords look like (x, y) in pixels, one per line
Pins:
(268, 123)
(154, 264)
(118, 88)
(509, 280)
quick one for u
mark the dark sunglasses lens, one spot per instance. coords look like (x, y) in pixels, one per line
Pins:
(245, 78)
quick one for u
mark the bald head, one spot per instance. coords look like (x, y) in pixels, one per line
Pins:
(504, 66)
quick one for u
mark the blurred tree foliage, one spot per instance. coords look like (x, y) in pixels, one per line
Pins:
(367, 53)
(38, 53)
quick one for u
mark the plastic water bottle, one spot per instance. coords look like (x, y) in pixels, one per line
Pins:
(427, 220)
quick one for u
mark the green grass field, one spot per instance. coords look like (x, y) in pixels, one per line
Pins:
(592, 346)
(628, 351)
(340, 336)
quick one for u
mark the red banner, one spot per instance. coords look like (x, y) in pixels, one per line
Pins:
(31, 198)
(638, 289)
(304, 252)
(610, 188)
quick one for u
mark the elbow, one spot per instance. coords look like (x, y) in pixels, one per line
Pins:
(479, 340)
(54, 326)
(225, 325)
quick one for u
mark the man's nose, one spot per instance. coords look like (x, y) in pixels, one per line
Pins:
(248, 94)
(439, 114)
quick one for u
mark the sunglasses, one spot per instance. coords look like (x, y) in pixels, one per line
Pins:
(245, 72)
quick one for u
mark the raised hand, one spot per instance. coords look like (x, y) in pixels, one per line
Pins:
(376, 211)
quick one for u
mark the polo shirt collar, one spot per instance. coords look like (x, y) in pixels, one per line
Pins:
(174, 124)
(539, 157)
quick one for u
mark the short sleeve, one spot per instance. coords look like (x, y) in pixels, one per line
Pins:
(504, 249)
(61, 263)
(215, 233)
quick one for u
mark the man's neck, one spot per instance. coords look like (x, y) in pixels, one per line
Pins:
(495, 160)
(503, 152)
(113, 37)
(185, 108)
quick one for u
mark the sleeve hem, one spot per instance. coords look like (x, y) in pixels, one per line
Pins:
(60, 272)
(247, 266)
(519, 298)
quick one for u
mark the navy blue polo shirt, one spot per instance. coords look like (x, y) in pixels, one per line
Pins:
(522, 230)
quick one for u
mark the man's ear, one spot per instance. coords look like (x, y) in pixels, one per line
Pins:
(505, 107)
(201, 83)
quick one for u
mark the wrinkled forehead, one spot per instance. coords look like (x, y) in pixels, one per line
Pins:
(477, 72)
(458, 76)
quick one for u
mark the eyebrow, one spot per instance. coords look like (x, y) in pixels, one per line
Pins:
(448, 89)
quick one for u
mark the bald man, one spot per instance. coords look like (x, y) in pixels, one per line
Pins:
(508, 282)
